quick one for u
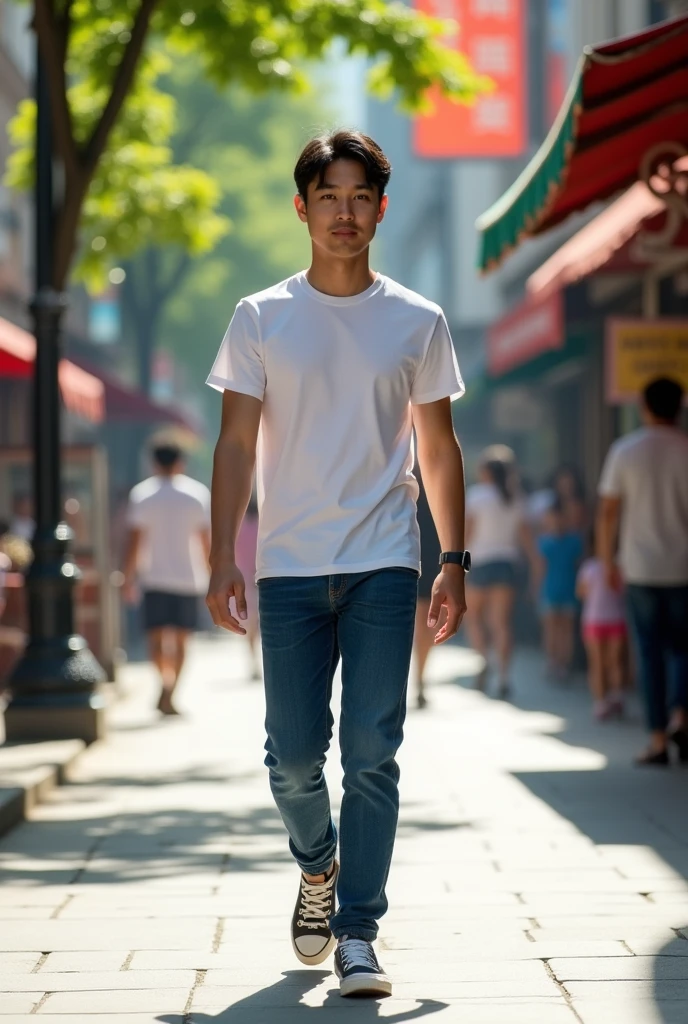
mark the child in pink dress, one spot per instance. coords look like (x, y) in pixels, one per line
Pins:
(605, 638)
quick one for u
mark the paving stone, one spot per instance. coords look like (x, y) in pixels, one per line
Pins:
(108, 934)
(634, 968)
(18, 1002)
(649, 947)
(639, 1011)
(666, 991)
(94, 981)
(85, 960)
(21, 962)
(170, 1000)
(99, 1018)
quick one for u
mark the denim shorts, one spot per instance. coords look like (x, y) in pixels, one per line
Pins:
(500, 573)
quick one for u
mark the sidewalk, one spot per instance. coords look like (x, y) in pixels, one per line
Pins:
(538, 879)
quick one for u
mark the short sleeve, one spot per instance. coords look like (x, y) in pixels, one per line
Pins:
(204, 510)
(610, 485)
(585, 572)
(239, 364)
(438, 375)
(135, 517)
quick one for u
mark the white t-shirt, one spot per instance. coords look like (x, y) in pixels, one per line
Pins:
(171, 512)
(495, 524)
(648, 471)
(337, 377)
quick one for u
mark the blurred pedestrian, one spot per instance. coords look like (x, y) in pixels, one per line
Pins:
(497, 532)
(568, 491)
(644, 500)
(247, 544)
(167, 552)
(334, 367)
(560, 550)
(423, 634)
(604, 637)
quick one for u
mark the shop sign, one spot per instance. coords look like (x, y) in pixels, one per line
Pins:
(527, 331)
(638, 350)
(492, 34)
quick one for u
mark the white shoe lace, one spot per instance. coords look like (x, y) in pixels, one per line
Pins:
(357, 953)
(316, 901)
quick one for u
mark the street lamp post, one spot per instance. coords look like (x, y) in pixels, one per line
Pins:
(55, 685)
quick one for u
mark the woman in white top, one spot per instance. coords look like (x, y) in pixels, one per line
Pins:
(497, 531)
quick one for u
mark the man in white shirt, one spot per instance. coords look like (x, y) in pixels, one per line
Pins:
(644, 497)
(328, 373)
(167, 550)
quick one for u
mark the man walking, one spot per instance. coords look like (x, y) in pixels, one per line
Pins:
(167, 550)
(644, 492)
(333, 368)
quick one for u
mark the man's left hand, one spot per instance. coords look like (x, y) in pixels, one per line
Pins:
(448, 592)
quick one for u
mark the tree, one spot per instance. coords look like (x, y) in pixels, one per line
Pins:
(247, 144)
(111, 125)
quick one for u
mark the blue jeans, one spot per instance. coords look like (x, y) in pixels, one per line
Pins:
(658, 618)
(307, 623)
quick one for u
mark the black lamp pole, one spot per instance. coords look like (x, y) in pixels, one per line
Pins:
(54, 686)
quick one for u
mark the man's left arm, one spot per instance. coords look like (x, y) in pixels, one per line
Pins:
(441, 466)
(131, 558)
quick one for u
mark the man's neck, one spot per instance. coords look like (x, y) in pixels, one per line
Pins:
(654, 421)
(340, 277)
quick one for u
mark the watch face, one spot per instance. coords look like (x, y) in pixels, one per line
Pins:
(467, 561)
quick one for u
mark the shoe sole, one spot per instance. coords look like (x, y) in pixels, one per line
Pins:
(365, 986)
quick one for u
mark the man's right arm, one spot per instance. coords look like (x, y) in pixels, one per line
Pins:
(235, 455)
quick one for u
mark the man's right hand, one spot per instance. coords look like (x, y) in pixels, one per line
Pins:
(227, 581)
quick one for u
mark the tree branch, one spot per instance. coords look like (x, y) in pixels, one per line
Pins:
(121, 85)
(53, 38)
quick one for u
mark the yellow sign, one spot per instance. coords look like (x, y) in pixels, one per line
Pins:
(637, 351)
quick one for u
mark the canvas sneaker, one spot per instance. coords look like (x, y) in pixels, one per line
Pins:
(311, 937)
(358, 970)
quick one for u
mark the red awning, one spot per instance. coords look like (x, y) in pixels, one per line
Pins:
(124, 403)
(626, 113)
(606, 243)
(82, 393)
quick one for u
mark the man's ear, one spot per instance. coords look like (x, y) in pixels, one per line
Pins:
(383, 209)
(300, 207)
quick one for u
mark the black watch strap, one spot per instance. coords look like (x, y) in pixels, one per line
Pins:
(462, 558)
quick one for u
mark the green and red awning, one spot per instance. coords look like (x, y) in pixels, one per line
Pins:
(628, 103)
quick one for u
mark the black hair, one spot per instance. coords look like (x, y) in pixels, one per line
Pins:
(498, 460)
(663, 397)
(165, 455)
(343, 144)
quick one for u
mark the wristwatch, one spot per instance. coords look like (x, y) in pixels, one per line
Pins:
(462, 558)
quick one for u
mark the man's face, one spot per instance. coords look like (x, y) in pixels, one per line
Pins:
(343, 212)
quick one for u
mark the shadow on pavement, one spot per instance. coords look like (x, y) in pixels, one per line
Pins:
(282, 1002)
(618, 805)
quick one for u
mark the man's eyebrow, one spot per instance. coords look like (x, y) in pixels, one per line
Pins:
(327, 187)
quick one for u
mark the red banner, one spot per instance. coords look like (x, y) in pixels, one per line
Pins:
(492, 35)
(525, 332)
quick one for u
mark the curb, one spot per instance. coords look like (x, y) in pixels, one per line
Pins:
(29, 772)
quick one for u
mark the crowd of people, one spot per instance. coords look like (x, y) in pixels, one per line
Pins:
(605, 570)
